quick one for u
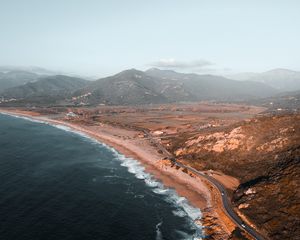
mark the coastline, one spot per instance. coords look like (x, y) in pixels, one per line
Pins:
(129, 143)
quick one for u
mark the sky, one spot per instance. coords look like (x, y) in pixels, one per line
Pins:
(98, 38)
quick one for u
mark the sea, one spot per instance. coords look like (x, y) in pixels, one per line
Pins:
(56, 183)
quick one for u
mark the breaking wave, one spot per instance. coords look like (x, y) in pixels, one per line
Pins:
(183, 208)
(158, 231)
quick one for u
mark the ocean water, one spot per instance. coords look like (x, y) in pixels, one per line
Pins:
(58, 184)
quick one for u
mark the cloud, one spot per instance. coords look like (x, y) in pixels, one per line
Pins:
(171, 63)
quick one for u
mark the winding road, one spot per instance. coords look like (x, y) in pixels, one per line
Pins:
(228, 209)
(225, 201)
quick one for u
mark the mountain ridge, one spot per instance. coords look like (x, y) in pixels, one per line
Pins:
(279, 78)
(135, 87)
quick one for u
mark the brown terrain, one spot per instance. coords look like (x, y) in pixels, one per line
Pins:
(253, 154)
(264, 154)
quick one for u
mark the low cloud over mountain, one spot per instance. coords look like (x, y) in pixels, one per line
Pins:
(171, 63)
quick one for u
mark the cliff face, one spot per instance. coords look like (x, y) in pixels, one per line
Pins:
(264, 154)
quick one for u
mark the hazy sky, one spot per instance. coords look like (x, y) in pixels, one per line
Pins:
(103, 37)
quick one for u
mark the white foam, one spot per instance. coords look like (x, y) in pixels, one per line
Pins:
(179, 213)
(183, 234)
(59, 126)
(62, 127)
(139, 196)
(192, 212)
(161, 191)
(25, 118)
(152, 183)
(184, 209)
(158, 232)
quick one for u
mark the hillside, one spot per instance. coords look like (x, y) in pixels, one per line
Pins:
(58, 86)
(134, 87)
(264, 154)
(280, 79)
(127, 87)
(211, 87)
(16, 78)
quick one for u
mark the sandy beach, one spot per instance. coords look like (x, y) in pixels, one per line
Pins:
(131, 143)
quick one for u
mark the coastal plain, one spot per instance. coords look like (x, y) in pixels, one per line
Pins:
(170, 126)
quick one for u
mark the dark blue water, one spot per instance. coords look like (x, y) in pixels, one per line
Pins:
(56, 184)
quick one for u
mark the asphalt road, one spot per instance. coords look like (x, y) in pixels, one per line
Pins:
(226, 202)
(225, 199)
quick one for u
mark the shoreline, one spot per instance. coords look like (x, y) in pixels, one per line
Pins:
(196, 190)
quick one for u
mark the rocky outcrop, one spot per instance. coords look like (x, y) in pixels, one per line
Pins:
(212, 229)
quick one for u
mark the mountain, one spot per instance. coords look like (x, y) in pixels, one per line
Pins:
(134, 87)
(280, 79)
(127, 87)
(58, 86)
(211, 87)
(31, 69)
(15, 78)
(165, 74)
(163, 86)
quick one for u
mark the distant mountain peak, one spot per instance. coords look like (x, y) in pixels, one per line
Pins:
(160, 70)
(281, 71)
(279, 78)
(132, 70)
(31, 69)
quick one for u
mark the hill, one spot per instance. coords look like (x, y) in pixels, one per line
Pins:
(135, 87)
(211, 87)
(127, 87)
(280, 79)
(58, 87)
(16, 78)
